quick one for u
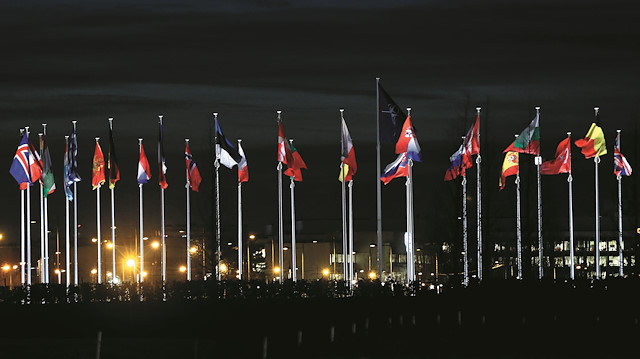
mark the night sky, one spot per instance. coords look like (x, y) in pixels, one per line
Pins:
(87, 61)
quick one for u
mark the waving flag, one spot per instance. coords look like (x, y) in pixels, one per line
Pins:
(67, 171)
(407, 142)
(397, 168)
(193, 175)
(390, 124)
(620, 165)
(112, 162)
(460, 161)
(348, 155)
(73, 157)
(35, 168)
(162, 166)
(529, 139)
(47, 179)
(561, 163)
(243, 169)
(510, 166)
(97, 175)
(21, 162)
(225, 152)
(593, 143)
(144, 171)
(284, 150)
(471, 143)
(295, 166)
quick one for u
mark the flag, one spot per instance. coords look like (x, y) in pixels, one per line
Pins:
(20, 167)
(35, 163)
(397, 168)
(67, 171)
(471, 141)
(561, 163)
(97, 175)
(407, 142)
(243, 169)
(112, 162)
(390, 124)
(460, 161)
(193, 175)
(593, 143)
(295, 166)
(348, 155)
(620, 165)
(529, 139)
(284, 151)
(144, 171)
(509, 166)
(47, 179)
(225, 152)
(73, 158)
(162, 166)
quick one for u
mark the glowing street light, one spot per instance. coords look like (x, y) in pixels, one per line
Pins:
(223, 268)
(325, 272)
(193, 250)
(155, 244)
(183, 269)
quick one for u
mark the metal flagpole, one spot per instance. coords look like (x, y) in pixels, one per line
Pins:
(75, 219)
(345, 247)
(164, 247)
(28, 219)
(216, 165)
(42, 268)
(46, 225)
(22, 238)
(240, 262)
(518, 224)
(351, 272)
(410, 261)
(571, 250)
(596, 161)
(465, 247)
(141, 239)
(293, 227)
(538, 163)
(378, 185)
(187, 186)
(113, 221)
(280, 220)
(619, 178)
(99, 243)
(479, 202)
(67, 232)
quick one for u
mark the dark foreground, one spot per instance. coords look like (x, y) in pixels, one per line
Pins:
(496, 320)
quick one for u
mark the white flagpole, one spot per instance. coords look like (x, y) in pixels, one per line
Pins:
(465, 247)
(518, 226)
(216, 165)
(351, 269)
(67, 232)
(240, 262)
(571, 250)
(113, 222)
(22, 238)
(140, 279)
(164, 247)
(410, 240)
(188, 186)
(99, 236)
(619, 178)
(28, 220)
(293, 227)
(280, 220)
(596, 161)
(75, 220)
(538, 163)
(378, 185)
(46, 227)
(479, 202)
(42, 239)
(347, 252)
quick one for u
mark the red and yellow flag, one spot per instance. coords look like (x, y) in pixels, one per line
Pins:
(97, 178)
(593, 144)
(510, 166)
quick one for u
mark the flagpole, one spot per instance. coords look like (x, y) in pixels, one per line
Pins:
(465, 247)
(347, 270)
(164, 247)
(351, 235)
(596, 161)
(479, 201)
(22, 238)
(378, 185)
(240, 262)
(187, 186)
(571, 250)
(141, 239)
(216, 165)
(619, 178)
(46, 225)
(42, 267)
(113, 219)
(28, 219)
(518, 224)
(280, 221)
(67, 232)
(293, 226)
(99, 236)
(538, 163)
(75, 219)
(410, 240)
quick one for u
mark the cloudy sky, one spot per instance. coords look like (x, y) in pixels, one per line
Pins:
(87, 61)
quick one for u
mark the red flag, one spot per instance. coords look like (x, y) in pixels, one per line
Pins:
(97, 177)
(561, 163)
(243, 169)
(193, 175)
